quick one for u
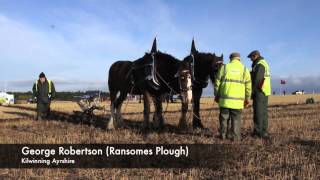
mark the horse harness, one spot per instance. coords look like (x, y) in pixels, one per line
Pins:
(195, 81)
(151, 76)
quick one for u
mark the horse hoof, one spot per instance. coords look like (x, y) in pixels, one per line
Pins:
(183, 126)
(111, 125)
(121, 122)
(197, 125)
(119, 125)
(159, 125)
(146, 126)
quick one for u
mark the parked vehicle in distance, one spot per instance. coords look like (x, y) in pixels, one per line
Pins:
(6, 99)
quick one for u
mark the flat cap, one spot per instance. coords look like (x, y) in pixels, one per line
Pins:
(42, 75)
(234, 55)
(255, 52)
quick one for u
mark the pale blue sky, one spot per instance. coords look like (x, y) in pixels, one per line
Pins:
(74, 42)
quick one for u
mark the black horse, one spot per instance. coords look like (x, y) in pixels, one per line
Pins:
(153, 75)
(204, 66)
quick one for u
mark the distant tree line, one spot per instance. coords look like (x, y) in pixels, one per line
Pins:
(61, 96)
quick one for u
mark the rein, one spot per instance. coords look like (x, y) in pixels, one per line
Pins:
(166, 83)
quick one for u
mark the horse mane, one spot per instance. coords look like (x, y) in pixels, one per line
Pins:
(206, 55)
(167, 56)
(164, 55)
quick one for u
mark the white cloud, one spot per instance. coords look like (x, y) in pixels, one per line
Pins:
(28, 50)
(82, 45)
(86, 41)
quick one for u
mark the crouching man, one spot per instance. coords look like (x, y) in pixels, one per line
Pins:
(43, 92)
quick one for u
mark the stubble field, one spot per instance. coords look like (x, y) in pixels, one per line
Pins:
(292, 152)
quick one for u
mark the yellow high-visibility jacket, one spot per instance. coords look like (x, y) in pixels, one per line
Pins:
(266, 86)
(233, 85)
(49, 83)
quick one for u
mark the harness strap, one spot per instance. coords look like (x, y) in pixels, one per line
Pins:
(154, 70)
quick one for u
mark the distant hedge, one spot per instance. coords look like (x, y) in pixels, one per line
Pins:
(62, 96)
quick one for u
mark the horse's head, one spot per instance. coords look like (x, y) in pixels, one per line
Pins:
(169, 73)
(203, 66)
(217, 63)
(183, 74)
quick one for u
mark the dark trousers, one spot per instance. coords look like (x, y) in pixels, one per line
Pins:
(234, 115)
(43, 109)
(260, 114)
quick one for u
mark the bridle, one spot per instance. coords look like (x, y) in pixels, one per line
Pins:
(184, 76)
(181, 75)
(197, 81)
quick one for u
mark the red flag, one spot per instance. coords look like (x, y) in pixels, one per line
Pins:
(282, 82)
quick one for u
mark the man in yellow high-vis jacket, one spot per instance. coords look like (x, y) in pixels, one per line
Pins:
(232, 92)
(261, 89)
(43, 92)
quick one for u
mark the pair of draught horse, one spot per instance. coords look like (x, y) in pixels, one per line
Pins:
(157, 74)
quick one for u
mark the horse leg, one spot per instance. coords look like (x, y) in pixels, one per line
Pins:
(146, 111)
(196, 123)
(157, 117)
(183, 119)
(120, 100)
(111, 123)
(118, 115)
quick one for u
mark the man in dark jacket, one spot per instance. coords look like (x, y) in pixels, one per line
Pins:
(261, 89)
(43, 92)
